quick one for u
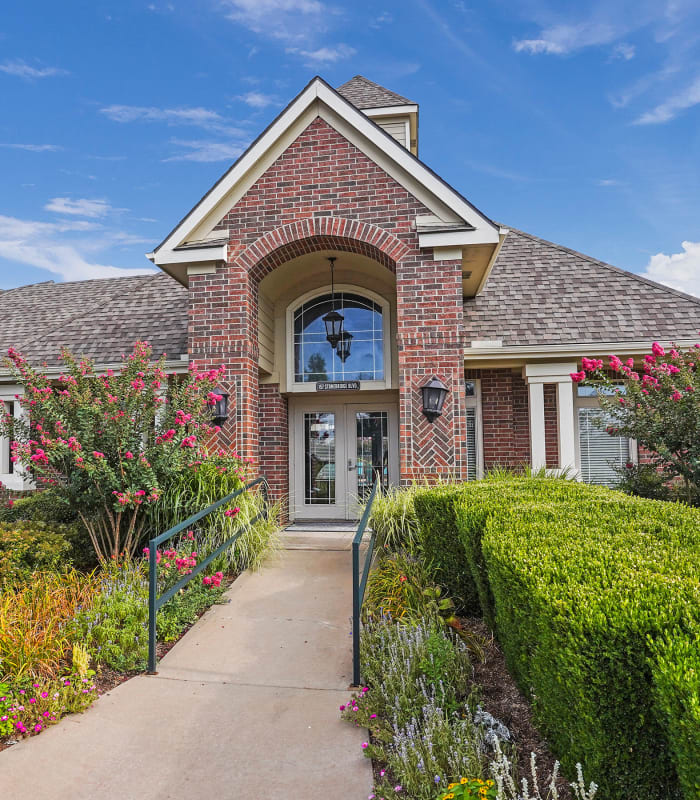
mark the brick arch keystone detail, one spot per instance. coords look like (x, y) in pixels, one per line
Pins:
(321, 233)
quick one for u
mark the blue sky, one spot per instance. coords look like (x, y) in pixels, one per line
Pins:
(578, 122)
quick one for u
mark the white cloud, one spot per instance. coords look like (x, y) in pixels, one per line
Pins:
(679, 270)
(326, 55)
(257, 99)
(624, 51)
(566, 38)
(59, 248)
(608, 182)
(667, 110)
(287, 20)
(171, 116)
(535, 46)
(21, 69)
(33, 148)
(79, 208)
(205, 151)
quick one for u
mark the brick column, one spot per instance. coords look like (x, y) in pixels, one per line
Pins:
(222, 330)
(430, 342)
(274, 440)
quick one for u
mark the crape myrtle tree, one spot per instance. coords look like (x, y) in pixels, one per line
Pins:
(109, 443)
(660, 407)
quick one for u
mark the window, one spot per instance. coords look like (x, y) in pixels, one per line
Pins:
(600, 452)
(314, 358)
(473, 414)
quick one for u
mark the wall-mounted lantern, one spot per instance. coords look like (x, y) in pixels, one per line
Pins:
(434, 394)
(333, 320)
(343, 348)
(220, 407)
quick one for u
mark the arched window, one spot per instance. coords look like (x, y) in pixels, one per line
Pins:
(314, 358)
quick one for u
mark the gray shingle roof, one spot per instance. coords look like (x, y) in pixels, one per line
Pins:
(540, 293)
(100, 319)
(364, 93)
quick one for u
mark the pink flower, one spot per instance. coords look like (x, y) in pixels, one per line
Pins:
(231, 512)
(615, 363)
(128, 455)
(676, 396)
(97, 454)
(207, 581)
(657, 350)
(365, 745)
(577, 377)
(342, 708)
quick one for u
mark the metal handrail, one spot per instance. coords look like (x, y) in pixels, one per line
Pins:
(359, 583)
(155, 602)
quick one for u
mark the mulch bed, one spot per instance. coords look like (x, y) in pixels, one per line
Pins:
(499, 695)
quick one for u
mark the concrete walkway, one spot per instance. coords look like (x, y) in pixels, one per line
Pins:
(244, 706)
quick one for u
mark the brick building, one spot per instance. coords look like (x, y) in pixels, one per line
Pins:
(330, 209)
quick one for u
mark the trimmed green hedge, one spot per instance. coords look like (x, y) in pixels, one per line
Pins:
(677, 682)
(582, 583)
(441, 547)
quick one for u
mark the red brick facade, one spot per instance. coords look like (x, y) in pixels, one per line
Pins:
(506, 422)
(322, 193)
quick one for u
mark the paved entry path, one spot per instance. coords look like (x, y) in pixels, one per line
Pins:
(244, 706)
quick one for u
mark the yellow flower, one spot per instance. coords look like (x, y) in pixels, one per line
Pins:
(451, 785)
(450, 795)
(464, 780)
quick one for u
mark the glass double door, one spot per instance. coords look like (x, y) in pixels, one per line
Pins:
(339, 451)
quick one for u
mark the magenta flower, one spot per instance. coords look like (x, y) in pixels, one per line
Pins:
(365, 745)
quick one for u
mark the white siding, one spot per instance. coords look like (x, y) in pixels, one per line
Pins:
(397, 127)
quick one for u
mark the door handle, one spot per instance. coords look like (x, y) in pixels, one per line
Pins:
(351, 466)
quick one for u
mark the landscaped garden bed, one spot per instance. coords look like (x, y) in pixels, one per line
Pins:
(119, 458)
(593, 598)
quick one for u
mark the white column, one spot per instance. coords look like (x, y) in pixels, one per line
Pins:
(538, 455)
(565, 424)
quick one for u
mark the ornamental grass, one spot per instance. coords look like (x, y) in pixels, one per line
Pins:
(33, 617)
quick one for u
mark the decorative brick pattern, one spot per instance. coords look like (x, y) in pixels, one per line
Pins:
(322, 193)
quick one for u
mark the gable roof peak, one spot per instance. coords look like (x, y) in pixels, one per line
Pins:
(364, 93)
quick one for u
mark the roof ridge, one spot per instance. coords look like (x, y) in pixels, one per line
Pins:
(606, 265)
(374, 85)
(83, 311)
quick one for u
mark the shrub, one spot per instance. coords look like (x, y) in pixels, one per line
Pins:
(48, 507)
(109, 444)
(584, 580)
(659, 408)
(29, 546)
(442, 550)
(643, 480)
(393, 520)
(676, 672)
(34, 640)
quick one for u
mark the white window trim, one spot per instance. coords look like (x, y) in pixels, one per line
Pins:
(475, 402)
(15, 480)
(386, 328)
(593, 402)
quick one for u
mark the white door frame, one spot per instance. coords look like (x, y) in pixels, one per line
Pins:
(345, 438)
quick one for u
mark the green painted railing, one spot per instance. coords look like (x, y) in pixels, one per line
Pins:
(155, 602)
(359, 581)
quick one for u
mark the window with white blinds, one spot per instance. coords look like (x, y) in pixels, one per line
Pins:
(600, 452)
(471, 444)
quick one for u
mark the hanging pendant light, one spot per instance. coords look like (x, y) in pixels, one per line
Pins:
(333, 320)
(343, 348)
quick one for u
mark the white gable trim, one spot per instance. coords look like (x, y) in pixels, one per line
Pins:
(318, 99)
(390, 111)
